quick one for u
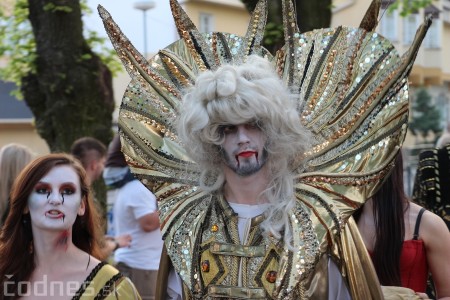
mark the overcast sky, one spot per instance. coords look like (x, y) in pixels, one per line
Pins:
(160, 28)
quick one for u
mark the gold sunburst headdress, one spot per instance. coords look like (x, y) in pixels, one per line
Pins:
(352, 94)
(347, 81)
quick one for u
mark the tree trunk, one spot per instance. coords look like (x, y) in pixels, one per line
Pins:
(313, 14)
(70, 94)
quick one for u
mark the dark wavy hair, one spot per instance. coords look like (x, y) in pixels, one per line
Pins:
(16, 236)
(389, 206)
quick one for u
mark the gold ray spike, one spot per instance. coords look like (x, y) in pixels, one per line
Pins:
(134, 62)
(194, 39)
(255, 32)
(290, 32)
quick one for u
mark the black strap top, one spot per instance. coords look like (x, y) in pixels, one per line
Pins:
(416, 228)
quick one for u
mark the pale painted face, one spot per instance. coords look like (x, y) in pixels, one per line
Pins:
(243, 148)
(55, 200)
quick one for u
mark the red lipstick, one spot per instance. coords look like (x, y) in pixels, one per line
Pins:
(247, 154)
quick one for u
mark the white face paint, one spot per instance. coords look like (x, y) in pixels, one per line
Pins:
(55, 200)
(243, 148)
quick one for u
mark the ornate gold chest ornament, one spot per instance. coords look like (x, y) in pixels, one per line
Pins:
(352, 93)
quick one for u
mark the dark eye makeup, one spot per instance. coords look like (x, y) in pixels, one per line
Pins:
(42, 188)
(230, 128)
(65, 189)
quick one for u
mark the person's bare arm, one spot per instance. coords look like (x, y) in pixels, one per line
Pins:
(121, 241)
(149, 222)
(111, 244)
(436, 236)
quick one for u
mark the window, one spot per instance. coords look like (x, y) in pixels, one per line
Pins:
(410, 25)
(388, 26)
(206, 23)
(446, 14)
(433, 39)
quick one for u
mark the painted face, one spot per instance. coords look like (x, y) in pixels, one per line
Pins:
(55, 200)
(243, 148)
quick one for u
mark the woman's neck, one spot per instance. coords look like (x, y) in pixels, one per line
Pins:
(52, 247)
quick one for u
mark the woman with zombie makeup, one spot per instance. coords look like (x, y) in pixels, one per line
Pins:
(49, 242)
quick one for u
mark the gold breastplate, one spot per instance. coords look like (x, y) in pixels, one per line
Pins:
(207, 254)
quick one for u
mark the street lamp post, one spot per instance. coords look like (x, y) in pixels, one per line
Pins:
(144, 6)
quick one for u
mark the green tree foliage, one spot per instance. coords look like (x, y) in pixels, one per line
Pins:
(409, 6)
(425, 116)
(17, 44)
(66, 85)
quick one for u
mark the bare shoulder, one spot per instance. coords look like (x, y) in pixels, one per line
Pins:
(432, 227)
(92, 264)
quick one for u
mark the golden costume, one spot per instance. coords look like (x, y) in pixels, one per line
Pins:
(352, 93)
(105, 282)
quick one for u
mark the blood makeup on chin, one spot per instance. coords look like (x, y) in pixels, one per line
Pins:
(246, 154)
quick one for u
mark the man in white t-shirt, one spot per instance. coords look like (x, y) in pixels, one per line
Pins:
(135, 213)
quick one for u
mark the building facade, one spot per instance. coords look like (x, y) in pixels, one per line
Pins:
(432, 66)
